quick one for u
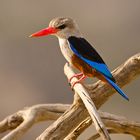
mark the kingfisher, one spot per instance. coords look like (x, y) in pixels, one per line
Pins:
(79, 52)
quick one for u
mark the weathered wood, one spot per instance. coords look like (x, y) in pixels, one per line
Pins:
(20, 122)
(99, 92)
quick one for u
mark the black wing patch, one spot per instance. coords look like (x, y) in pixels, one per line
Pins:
(88, 54)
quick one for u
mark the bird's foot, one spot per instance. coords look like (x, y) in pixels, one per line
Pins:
(75, 76)
(72, 86)
(81, 79)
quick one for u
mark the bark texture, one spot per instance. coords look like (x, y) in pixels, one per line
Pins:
(72, 120)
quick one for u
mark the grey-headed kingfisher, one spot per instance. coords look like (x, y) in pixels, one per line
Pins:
(79, 52)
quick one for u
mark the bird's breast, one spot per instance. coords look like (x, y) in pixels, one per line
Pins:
(65, 49)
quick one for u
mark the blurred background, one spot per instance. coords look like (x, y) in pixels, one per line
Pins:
(31, 69)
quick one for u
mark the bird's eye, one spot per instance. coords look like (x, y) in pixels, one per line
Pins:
(61, 26)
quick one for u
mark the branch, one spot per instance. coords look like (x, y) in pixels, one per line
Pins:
(91, 108)
(80, 129)
(99, 92)
(115, 124)
(44, 112)
(121, 124)
(23, 120)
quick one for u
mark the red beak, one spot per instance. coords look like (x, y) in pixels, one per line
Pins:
(46, 31)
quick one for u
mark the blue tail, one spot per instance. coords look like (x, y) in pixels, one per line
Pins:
(117, 89)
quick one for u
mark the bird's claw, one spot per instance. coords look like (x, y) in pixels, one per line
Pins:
(75, 76)
(72, 86)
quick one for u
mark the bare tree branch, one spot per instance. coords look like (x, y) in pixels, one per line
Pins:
(121, 124)
(90, 107)
(114, 123)
(100, 93)
(44, 112)
(67, 123)
(80, 129)
(23, 120)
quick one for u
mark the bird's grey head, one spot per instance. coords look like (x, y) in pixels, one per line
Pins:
(66, 27)
(60, 27)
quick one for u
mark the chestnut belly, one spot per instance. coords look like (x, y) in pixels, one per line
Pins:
(85, 68)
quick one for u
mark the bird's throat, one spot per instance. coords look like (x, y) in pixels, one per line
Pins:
(65, 49)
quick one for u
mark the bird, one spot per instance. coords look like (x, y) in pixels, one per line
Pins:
(79, 52)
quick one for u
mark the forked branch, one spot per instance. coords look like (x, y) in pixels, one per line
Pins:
(99, 92)
(75, 114)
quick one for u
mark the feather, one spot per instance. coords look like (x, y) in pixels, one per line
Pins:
(114, 85)
(88, 54)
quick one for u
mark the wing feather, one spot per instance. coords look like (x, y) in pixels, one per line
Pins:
(88, 54)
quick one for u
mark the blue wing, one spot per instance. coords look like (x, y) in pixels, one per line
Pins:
(114, 85)
(88, 54)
